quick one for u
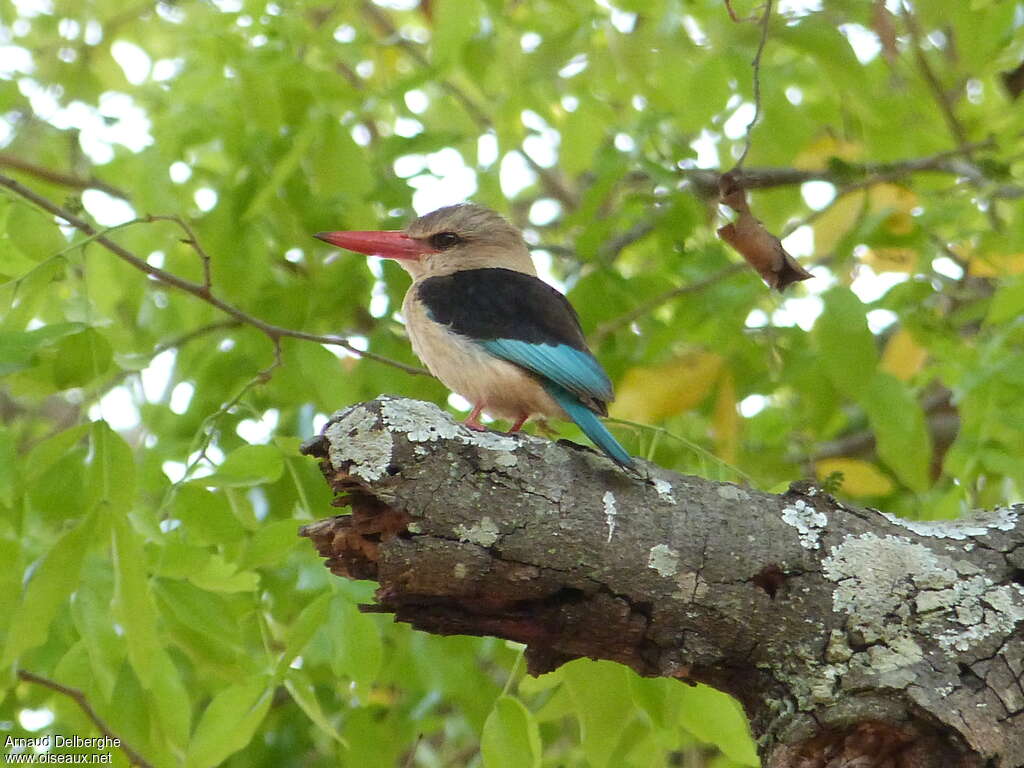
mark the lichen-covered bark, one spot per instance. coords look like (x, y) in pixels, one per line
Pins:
(852, 638)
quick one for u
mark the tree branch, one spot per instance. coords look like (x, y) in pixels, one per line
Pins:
(845, 633)
(59, 178)
(83, 703)
(202, 291)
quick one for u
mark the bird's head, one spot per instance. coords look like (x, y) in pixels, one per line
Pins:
(447, 240)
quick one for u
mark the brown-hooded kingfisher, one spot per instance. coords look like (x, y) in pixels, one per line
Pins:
(483, 322)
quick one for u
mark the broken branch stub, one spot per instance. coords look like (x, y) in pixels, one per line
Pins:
(843, 632)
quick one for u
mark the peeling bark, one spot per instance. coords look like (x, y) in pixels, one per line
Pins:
(850, 636)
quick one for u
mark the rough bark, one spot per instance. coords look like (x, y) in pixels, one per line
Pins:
(851, 637)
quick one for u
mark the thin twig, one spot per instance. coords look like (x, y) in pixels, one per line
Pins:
(191, 240)
(941, 96)
(673, 293)
(756, 66)
(83, 703)
(272, 332)
(58, 177)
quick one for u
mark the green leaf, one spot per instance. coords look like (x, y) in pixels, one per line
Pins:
(9, 475)
(717, 718)
(271, 543)
(81, 358)
(1007, 303)
(110, 470)
(511, 738)
(228, 723)
(246, 466)
(455, 23)
(600, 691)
(218, 575)
(845, 345)
(33, 232)
(901, 433)
(297, 683)
(312, 617)
(52, 582)
(133, 601)
(357, 644)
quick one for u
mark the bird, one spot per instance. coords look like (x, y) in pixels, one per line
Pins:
(487, 326)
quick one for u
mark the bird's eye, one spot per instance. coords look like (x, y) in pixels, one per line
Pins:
(444, 240)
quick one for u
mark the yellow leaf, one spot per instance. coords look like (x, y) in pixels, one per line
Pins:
(839, 218)
(725, 419)
(903, 357)
(815, 156)
(996, 264)
(891, 259)
(652, 393)
(860, 478)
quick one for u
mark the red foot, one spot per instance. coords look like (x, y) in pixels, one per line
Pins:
(519, 424)
(473, 420)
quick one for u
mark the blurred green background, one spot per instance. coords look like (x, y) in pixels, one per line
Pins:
(150, 486)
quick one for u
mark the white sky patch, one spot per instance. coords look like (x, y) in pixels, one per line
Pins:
(406, 127)
(871, 286)
(175, 470)
(133, 60)
(800, 311)
(156, 259)
(450, 181)
(756, 319)
(800, 242)
(624, 142)
(406, 166)
(117, 408)
(166, 69)
(864, 42)
(345, 33)
(798, 7)
(880, 319)
(417, 101)
(15, 60)
(706, 147)
(529, 42)
(259, 431)
(179, 172)
(108, 211)
(694, 30)
(576, 65)
(544, 211)
(947, 267)
(486, 150)
(319, 422)
(794, 95)
(610, 512)
(35, 719)
(736, 126)
(157, 375)
(181, 396)
(515, 175)
(751, 405)
(206, 198)
(817, 194)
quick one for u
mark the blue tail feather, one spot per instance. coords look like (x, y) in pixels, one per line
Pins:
(591, 425)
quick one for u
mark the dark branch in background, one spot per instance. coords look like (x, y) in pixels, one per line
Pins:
(202, 291)
(548, 177)
(83, 703)
(57, 177)
(756, 67)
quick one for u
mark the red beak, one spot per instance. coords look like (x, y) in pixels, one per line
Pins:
(389, 245)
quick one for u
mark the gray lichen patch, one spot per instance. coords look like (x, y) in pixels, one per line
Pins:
(484, 533)
(424, 422)
(892, 587)
(664, 489)
(809, 523)
(999, 519)
(663, 559)
(355, 438)
(610, 512)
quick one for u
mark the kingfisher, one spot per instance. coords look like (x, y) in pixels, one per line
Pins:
(485, 325)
